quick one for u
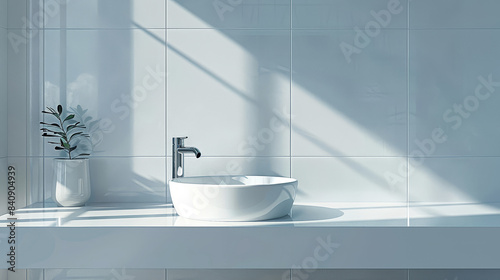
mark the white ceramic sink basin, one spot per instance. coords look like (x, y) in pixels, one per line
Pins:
(233, 198)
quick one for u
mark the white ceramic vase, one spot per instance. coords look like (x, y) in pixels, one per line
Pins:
(71, 182)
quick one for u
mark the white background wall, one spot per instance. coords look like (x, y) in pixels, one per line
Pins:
(118, 274)
(233, 79)
(238, 71)
(3, 103)
(235, 74)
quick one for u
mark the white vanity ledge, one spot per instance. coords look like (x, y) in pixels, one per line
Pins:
(361, 236)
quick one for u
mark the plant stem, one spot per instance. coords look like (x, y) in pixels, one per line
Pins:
(64, 136)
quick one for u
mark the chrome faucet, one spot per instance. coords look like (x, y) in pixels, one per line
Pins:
(178, 151)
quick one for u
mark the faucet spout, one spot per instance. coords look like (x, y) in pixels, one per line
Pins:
(193, 150)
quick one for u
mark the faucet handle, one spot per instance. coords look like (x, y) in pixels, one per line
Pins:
(178, 141)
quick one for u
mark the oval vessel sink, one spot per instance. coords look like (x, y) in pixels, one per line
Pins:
(233, 198)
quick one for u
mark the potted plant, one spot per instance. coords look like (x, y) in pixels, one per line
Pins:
(71, 185)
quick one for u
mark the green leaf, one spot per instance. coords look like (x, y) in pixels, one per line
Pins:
(72, 148)
(75, 134)
(59, 109)
(50, 113)
(72, 116)
(70, 127)
(54, 112)
(55, 132)
(48, 135)
(65, 144)
(81, 155)
(51, 124)
(76, 125)
(59, 148)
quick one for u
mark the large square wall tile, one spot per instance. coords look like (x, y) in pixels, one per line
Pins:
(350, 274)
(105, 13)
(458, 180)
(348, 179)
(225, 274)
(349, 109)
(231, 96)
(228, 14)
(104, 274)
(118, 79)
(456, 91)
(454, 274)
(339, 14)
(453, 14)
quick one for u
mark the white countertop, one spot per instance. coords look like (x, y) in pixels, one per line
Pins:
(319, 214)
(164, 215)
(366, 235)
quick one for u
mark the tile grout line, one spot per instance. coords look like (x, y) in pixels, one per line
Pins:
(27, 107)
(166, 105)
(408, 114)
(43, 119)
(291, 86)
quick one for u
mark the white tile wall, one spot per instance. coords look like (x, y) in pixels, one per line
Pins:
(20, 274)
(105, 13)
(349, 274)
(17, 17)
(348, 109)
(464, 180)
(226, 274)
(347, 179)
(228, 14)
(119, 76)
(35, 274)
(104, 274)
(3, 14)
(261, 274)
(454, 274)
(230, 65)
(430, 14)
(340, 14)
(3, 190)
(351, 88)
(449, 89)
(22, 173)
(17, 96)
(229, 95)
(3, 92)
